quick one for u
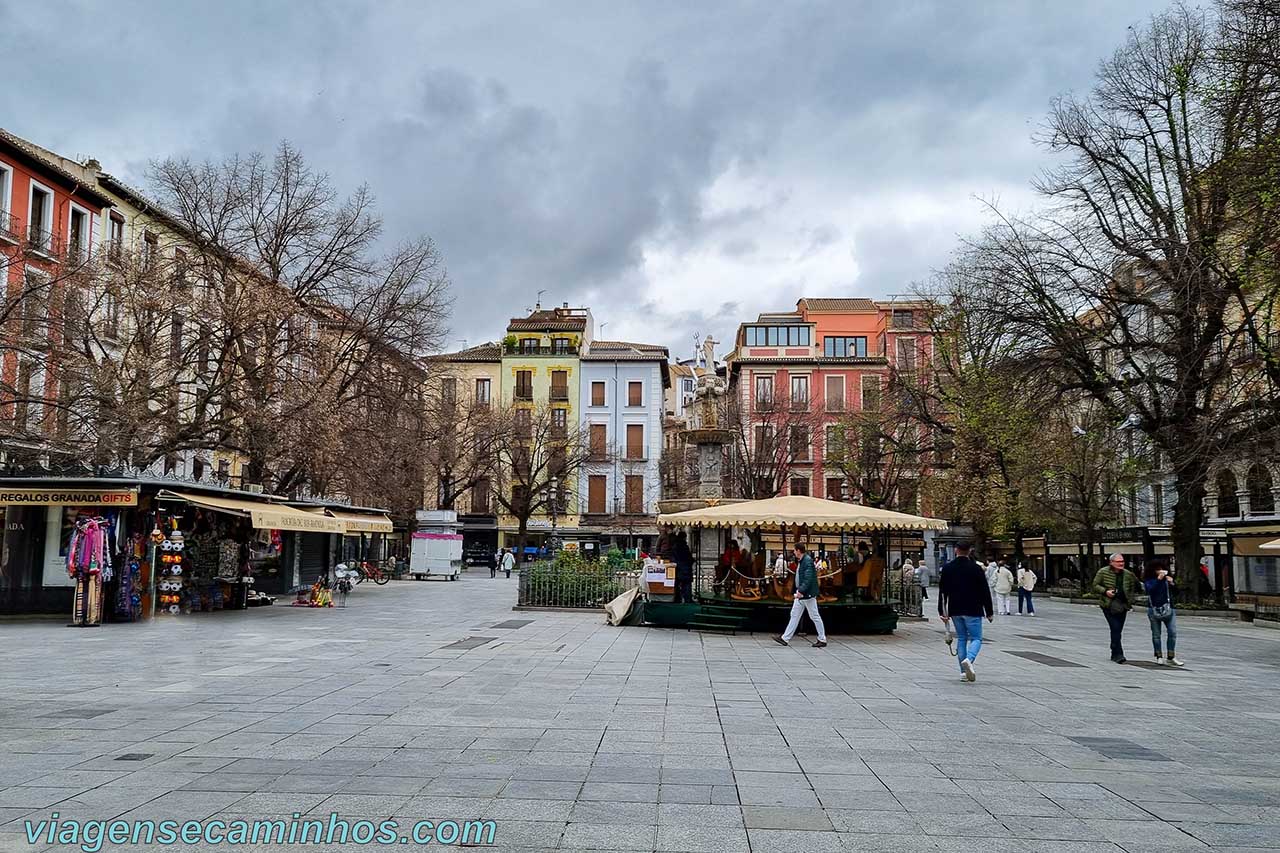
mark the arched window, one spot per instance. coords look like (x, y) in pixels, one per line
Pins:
(1228, 500)
(1261, 500)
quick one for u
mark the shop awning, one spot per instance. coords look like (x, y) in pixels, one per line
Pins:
(264, 516)
(800, 510)
(356, 523)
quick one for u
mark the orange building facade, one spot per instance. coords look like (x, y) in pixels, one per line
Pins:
(828, 357)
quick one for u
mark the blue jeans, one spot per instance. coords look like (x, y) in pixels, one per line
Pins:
(968, 637)
(1024, 595)
(1170, 627)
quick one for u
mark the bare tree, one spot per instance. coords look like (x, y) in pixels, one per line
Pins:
(535, 460)
(1149, 283)
(770, 441)
(310, 309)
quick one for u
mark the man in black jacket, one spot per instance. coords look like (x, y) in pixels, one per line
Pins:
(683, 558)
(965, 598)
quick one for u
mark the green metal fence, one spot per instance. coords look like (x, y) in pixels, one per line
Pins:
(582, 585)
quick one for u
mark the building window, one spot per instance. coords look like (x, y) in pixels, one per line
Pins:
(8, 228)
(480, 497)
(595, 494)
(597, 393)
(529, 346)
(115, 248)
(906, 354)
(635, 394)
(799, 392)
(799, 443)
(1261, 499)
(560, 385)
(687, 385)
(561, 346)
(774, 336)
(599, 441)
(150, 250)
(40, 218)
(634, 494)
(449, 392)
(870, 392)
(1228, 500)
(34, 306)
(834, 395)
(834, 443)
(844, 347)
(835, 489)
(763, 441)
(764, 392)
(524, 424)
(559, 423)
(799, 486)
(902, 319)
(78, 234)
(524, 385)
(635, 442)
(483, 392)
(1157, 504)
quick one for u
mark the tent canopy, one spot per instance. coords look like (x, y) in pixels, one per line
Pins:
(1273, 545)
(355, 523)
(800, 510)
(263, 516)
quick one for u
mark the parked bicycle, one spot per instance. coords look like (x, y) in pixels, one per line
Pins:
(368, 571)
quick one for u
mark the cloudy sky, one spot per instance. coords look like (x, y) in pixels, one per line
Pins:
(676, 166)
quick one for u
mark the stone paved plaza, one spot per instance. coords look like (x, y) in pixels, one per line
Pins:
(436, 700)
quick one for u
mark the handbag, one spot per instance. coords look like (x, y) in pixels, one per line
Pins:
(1164, 611)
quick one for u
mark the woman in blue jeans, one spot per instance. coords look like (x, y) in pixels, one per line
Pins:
(1158, 581)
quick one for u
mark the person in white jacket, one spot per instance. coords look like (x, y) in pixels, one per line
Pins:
(1026, 582)
(1004, 587)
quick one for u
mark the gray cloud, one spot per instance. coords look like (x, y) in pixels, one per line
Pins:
(678, 166)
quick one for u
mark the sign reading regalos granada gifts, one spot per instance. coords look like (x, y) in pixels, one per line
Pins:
(69, 497)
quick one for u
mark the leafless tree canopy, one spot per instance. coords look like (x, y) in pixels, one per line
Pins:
(1146, 284)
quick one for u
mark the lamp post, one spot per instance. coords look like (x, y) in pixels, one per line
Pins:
(552, 544)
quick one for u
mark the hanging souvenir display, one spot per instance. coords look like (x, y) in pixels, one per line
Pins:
(170, 587)
(88, 564)
(129, 592)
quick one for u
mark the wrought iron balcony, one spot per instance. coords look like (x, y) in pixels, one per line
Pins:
(541, 350)
(9, 229)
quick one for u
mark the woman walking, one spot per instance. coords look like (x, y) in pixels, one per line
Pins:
(1158, 581)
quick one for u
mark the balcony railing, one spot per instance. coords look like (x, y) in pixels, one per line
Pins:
(559, 395)
(524, 392)
(541, 350)
(46, 243)
(9, 227)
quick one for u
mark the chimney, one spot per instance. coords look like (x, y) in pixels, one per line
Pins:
(92, 163)
(565, 306)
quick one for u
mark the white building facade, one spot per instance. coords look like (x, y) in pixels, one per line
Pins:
(621, 406)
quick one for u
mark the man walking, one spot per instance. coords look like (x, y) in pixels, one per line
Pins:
(508, 561)
(964, 598)
(806, 600)
(1116, 589)
(1004, 588)
(494, 559)
(1026, 582)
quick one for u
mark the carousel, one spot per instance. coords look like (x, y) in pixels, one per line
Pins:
(745, 571)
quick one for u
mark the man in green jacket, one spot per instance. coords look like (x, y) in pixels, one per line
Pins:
(806, 599)
(1116, 588)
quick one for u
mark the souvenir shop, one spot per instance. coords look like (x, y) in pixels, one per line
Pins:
(86, 547)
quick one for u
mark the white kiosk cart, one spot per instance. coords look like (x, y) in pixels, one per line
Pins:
(437, 545)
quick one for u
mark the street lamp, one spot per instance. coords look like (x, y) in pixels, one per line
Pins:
(552, 544)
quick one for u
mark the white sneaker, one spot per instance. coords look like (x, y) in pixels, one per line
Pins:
(967, 666)
(1031, 614)
(1159, 661)
(1175, 662)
